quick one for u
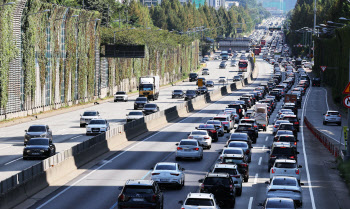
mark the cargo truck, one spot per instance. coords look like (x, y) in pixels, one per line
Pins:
(149, 87)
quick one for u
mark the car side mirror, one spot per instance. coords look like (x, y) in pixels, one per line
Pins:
(302, 184)
(200, 180)
(227, 137)
(267, 182)
(152, 168)
(268, 152)
(196, 127)
(182, 169)
(297, 140)
(181, 202)
(188, 134)
(220, 152)
(177, 144)
(225, 146)
(127, 114)
(80, 114)
(299, 166)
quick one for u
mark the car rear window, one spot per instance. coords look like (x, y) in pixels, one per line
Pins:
(286, 139)
(282, 151)
(199, 133)
(284, 181)
(225, 170)
(90, 114)
(165, 167)
(199, 202)
(192, 143)
(333, 113)
(244, 128)
(238, 144)
(38, 142)
(220, 118)
(141, 99)
(216, 181)
(285, 165)
(232, 151)
(130, 190)
(232, 160)
(286, 127)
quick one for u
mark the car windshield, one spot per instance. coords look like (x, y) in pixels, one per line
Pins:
(146, 87)
(98, 122)
(280, 204)
(232, 160)
(286, 139)
(244, 128)
(238, 144)
(177, 91)
(141, 99)
(192, 143)
(199, 202)
(90, 114)
(190, 92)
(193, 75)
(225, 170)
(286, 127)
(216, 181)
(282, 151)
(284, 181)
(165, 167)
(233, 151)
(135, 113)
(285, 165)
(131, 190)
(120, 93)
(37, 129)
(150, 105)
(202, 133)
(38, 142)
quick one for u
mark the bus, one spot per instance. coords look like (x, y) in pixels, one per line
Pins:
(243, 65)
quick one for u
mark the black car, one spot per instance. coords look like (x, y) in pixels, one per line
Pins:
(221, 186)
(150, 108)
(178, 94)
(202, 90)
(239, 137)
(193, 77)
(140, 102)
(276, 93)
(316, 82)
(37, 131)
(239, 108)
(39, 148)
(281, 150)
(190, 94)
(248, 129)
(213, 133)
(240, 161)
(141, 194)
(253, 122)
(222, 65)
(210, 84)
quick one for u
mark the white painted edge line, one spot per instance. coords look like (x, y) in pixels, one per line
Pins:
(259, 163)
(250, 203)
(266, 138)
(304, 152)
(326, 99)
(256, 178)
(263, 148)
(13, 161)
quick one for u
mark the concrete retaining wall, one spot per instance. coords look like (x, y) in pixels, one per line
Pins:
(19, 187)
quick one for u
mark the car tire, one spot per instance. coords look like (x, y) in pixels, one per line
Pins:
(324, 123)
(115, 100)
(25, 158)
(246, 179)
(177, 158)
(135, 108)
(339, 124)
(81, 125)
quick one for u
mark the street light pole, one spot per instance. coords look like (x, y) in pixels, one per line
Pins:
(347, 141)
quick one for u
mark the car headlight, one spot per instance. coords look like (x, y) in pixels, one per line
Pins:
(42, 135)
(42, 150)
(88, 128)
(28, 150)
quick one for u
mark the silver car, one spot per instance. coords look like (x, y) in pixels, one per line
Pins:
(285, 167)
(169, 173)
(332, 117)
(120, 96)
(202, 137)
(277, 124)
(134, 115)
(205, 71)
(97, 126)
(278, 202)
(285, 186)
(188, 148)
(37, 131)
(232, 170)
(88, 116)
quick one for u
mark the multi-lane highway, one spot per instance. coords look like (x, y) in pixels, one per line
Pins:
(66, 130)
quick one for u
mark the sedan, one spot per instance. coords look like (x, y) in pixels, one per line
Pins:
(150, 108)
(39, 148)
(97, 126)
(278, 202)
(277, 124)
(178, 94)
(190, 94)
(202, 137)
(285, 167)
(168, 173)
(210, 84)
(222, 65)
(236, 78)
(285, 186)
(332, 117)
(205, 71)
(36, 131)
(222, 79)
(188, 148)
(244, 146)
(202, 90)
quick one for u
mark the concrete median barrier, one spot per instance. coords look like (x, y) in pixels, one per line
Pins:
(21, 186)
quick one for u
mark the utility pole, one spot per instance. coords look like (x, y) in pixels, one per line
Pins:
(347, 144)
(314, 30)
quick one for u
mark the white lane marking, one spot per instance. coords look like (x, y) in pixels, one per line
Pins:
(256, 178)
(146, 174)
(5, 147)
(250, 203)
(266, 138)
(260, 161)
(75, 137)
(304, 152)
(13, 161)
(263, 147)
(326, 99)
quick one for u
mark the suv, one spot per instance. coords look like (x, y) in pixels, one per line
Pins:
(281, 150)
(332, 117)
(37, 131)
(88, 116)
(253, 122)
(232, 170)
(120, 96)
(316, 82)
(226, 121)
(249, 129)
(193, 77)
(221, 186)
(240, 161)
(140, 193)
(199, 200)
(292, 119)
(140, 102)
(239, 108)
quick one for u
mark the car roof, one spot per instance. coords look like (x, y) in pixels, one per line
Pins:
(139, 182)
(200, 195)
(231, 166)
(167, 163)
(284, 177)
(37, 125)
(218, 175)
(200, 131)
(188, 140)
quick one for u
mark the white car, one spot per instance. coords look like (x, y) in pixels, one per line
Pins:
(229, 110)
(87, 116)
(205, 71)
(202, 137)
(199, 200)
(97, 126)
(168, 173)
(134, 115)
(222, 79)
(285, 167)
(120, 96)
(332, 117)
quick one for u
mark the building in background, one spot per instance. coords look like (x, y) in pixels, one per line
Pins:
(229, 4)
(278, 6)
(216, 3)
(149, 3)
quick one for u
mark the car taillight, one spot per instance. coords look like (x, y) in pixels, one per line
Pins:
(272, 170)
(231, 188)
(153, 174)
(196, 148)
(174, 174)
(255, 126)
(244, 165)
(202, 186)
(179, 148)
(275, 126)
(327, 115)
(247, 152)
(122, 198)
(295, 143)
(240, 110)
(292, 157)
(297, 171)
(220, 126)
(296, 123)
(264, 125)
(190, 137)
(154, 198)
(206, 137)
(272, 156)
(339, 115)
